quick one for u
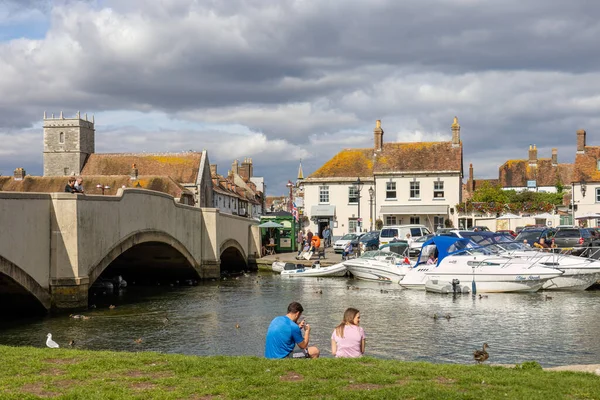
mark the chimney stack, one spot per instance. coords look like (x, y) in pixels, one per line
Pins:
(235, 167)
(378, 136)
(455, 133)
(470, 182)
(532, 155)
(213, 169)
(246, 169)
(580, 141)
(134, 172)
(554, 157)
(19, 174)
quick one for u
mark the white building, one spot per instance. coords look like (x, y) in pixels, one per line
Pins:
(403, 183)
(586, 179)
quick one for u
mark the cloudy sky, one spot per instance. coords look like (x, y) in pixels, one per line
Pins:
(285, 80)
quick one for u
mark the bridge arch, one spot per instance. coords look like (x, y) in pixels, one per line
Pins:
(22, 284)
(139, 238)
(233, 257)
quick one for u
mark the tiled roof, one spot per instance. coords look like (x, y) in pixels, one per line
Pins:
(516, 173)
(586, 165)
(395, 157)
(182, 167)
(477, 183)
(39, 184)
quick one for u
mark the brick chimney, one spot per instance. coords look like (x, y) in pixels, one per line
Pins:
(470, 184)
(235, 167)
(554, 157)
(19, 174)
(213, 169)
(134, 172)
(532, 155)
(455, 133)
(581, 141)
(378, 136)
(246, 169)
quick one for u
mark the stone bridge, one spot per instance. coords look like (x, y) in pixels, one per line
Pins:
(53, 247)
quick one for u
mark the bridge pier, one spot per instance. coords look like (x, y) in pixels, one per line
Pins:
(69, 293)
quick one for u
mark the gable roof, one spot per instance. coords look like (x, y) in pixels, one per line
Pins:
(586, 165)
(54, 184)
(395, 157)
(516, 173)
(182, 167)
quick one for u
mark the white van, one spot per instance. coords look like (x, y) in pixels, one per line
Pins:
(388, 232)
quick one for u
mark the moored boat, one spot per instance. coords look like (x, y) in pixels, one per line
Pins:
(381, 265)
(316, 271)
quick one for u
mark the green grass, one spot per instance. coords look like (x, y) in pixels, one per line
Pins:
(30, 373)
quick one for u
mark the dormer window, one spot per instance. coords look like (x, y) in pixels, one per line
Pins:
(61, 138)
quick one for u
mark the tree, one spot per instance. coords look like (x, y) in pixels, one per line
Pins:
(488, 193)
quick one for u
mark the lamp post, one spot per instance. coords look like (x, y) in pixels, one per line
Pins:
(358, 185)
(371, 194)
(290, 185)
(102, 187)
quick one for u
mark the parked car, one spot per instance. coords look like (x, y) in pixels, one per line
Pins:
(340, 244)
(417, 244)
(573, 238)
(533, 235)
(389, 232)
(518, 229)
(508, 232)
(370, 241)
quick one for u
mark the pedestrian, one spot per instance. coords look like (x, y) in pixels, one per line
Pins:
(348, 338)
(70, 187)
(285, 333)
(309, 236)
(79, 184)
(300, 241)
(326, 237)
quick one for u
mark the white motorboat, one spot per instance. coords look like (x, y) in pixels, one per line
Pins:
(579, 273)
(316, 271)
(378, 265)
(462, 259)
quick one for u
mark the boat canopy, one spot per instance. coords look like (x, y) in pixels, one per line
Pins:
(445, 245)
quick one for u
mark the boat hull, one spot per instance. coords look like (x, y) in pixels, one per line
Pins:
(373, 271)
(572, 281)
(336, 270)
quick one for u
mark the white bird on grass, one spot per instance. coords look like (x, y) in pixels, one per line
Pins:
(51, 343)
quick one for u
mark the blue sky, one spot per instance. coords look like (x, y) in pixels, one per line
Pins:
(280, 82)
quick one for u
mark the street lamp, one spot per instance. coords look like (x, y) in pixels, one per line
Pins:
(290, 185)
(102, 187)
(371, 194)
(358, 185)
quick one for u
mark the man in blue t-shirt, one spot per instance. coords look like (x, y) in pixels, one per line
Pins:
(285, 333)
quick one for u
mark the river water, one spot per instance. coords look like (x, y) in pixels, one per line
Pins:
(399, 324)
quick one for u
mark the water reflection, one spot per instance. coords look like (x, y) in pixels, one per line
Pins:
(399, 324)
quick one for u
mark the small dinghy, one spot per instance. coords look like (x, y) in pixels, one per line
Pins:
(316, 270)
(279, 266)
(444, 287)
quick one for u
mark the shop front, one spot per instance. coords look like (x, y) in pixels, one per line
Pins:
(322, 216)
(285, 237)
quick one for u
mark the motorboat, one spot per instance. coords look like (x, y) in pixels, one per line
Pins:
(388, 264)
(579, 273)
(487, 271)
(279, 266)
(316, 270)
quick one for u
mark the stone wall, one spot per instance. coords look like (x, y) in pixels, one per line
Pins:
(78, 142)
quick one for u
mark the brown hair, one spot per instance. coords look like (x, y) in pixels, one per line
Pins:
(295, 307)
(349, 316)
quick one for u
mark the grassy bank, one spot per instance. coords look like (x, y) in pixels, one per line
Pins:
(73, 374)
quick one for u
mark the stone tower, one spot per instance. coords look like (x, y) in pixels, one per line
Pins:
(68, 142)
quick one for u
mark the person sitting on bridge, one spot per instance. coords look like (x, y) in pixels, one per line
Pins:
(285, 333)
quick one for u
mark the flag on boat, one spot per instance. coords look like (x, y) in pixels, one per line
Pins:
(295, 211)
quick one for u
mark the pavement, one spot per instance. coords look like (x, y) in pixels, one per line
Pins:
(331, 258)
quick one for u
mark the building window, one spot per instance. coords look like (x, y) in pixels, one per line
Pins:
(323, 194)
(438, 222)
(352, 195)
(598, 195)
(390, 190)
(438, 190)
(415, 220)
(66, 171)
(61, 137)
(352, 225)
(415, 190)
(390, 220)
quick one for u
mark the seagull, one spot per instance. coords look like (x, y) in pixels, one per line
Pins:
(51, 343)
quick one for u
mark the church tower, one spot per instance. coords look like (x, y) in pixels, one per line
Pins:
(68, 142)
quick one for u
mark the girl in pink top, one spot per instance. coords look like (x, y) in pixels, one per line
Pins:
(348, 338)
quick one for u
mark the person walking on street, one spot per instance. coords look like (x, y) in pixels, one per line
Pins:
(300, 240)
(326, 237)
